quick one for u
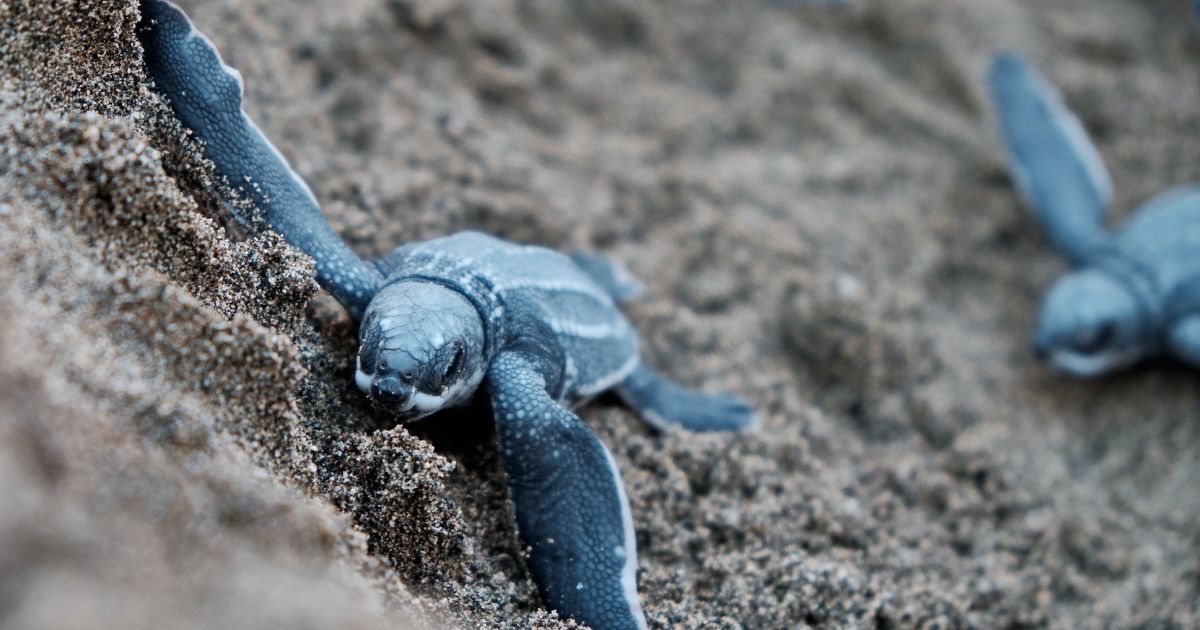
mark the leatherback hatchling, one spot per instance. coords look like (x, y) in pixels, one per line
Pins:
(1132, 294)
(538, 329)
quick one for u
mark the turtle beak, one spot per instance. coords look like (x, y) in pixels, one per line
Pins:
(391, 391)
(1041, 350)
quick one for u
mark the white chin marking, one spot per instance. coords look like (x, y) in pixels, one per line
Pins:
(361, 378)
(1087, 365)
(427, 403)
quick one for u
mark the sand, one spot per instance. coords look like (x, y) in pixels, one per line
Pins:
(816, 201)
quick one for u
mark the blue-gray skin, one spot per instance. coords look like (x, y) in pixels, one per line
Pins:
(1132, 294)
(540, 331)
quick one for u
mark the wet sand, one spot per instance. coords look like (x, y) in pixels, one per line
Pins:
(816, 201)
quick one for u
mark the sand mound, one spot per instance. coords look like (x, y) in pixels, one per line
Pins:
(815, 200)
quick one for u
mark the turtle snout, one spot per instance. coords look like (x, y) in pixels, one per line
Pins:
(391, 390)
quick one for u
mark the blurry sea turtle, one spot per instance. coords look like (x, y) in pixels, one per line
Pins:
(539, 330)
(1133, 293)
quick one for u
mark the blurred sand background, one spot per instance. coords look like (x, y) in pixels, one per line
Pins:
(815, 199)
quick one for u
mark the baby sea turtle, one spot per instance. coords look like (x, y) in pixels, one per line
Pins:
(539, 330)
(1132, 294)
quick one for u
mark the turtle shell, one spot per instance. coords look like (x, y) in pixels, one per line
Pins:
(523, 290)
(1164, 236)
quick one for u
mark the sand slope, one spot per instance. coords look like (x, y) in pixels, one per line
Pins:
(815, 199)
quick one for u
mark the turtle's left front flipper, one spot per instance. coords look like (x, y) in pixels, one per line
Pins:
(206, 96)
(570, 502)
(1053, 162)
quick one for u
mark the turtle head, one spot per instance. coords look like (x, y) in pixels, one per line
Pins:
(1090, 323)
(420, 348)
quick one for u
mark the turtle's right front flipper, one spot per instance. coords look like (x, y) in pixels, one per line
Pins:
(206, 96)
(1053, 162)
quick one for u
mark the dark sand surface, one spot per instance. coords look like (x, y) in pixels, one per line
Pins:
(816, 202)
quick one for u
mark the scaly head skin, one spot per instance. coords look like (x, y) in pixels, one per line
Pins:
(1091, 324)
(421, 349)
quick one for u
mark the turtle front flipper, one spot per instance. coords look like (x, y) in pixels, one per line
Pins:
(570, 502)
(661, 402)
(206, 96)
(1054, 164)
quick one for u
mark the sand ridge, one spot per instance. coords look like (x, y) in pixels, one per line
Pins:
(815, 200)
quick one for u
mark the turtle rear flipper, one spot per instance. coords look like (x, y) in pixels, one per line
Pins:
(661, 402)
(610, 274)
(1053, 162)
(206, 96)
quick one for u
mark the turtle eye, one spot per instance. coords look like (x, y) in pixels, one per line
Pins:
(1095, 339)
(455, 362)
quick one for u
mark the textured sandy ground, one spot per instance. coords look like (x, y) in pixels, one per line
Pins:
(816, 201)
